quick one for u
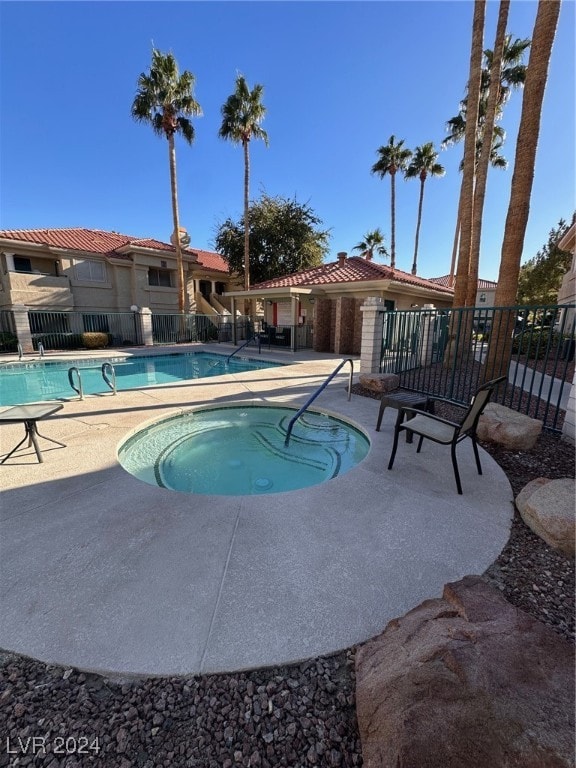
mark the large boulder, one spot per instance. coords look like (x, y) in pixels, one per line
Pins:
(466, 681)
(379, 382)
(506, 427)
(548, 508)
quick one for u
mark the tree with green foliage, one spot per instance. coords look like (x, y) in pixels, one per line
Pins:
(373, 242)
(242, 114)
(541, 276)
(392, 157)
(423, 164)
(165, 100)
(285, 237)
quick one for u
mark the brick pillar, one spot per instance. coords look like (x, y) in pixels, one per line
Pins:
(22, 326)
(144, 316)
(372, 328)
(344, 333)
(322, 319)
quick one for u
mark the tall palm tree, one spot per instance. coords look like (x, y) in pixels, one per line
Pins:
(512, 75)
(165, 100)
(522, 178)
(242, 114)
(422, 165)
(483, 162)
(373, 241)
(394, 157)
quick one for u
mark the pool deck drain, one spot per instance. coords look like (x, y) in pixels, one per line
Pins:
(106, 573)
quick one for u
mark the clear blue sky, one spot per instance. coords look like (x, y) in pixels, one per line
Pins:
(339, 79)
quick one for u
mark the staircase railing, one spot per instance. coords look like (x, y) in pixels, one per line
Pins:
(245, 344)
(109, 376)
(320, 389)
(77, 389)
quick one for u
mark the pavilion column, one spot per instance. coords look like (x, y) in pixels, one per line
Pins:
(372, 329)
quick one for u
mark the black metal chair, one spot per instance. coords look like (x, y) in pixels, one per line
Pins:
(443, 431)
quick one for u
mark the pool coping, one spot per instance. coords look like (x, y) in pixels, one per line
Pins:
(105, 573)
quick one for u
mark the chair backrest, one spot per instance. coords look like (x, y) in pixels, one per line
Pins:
(479, 402)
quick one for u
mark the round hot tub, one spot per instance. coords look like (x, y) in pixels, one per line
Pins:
(242, 450)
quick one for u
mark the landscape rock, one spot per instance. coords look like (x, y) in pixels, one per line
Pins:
(466, 680)
(548, 508)
(379, 382)
(508, 428)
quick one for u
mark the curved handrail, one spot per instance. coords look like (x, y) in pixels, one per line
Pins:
(78, 388)
(108, 368)
(317, 392)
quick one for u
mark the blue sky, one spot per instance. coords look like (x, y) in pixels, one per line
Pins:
(339, 79)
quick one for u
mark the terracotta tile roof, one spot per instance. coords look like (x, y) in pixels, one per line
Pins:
(355, 269)
(211, 260)
(106, 243)
(482, 284)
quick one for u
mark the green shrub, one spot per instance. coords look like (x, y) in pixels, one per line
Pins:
(537, 344)
(94, 340)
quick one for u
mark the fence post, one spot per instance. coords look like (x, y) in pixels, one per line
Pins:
(144, 317)
(427, 334)
(22, 326)
(373, 310)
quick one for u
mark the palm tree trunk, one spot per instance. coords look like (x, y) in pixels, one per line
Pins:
(522, 178)
(414, 265)
(484, 160)
(246, 224)
(393, 214)
(468, 173)
(176, 222)
(467, 190)
(456, 242)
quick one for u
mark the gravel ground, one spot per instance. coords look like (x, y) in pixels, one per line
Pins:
(299, 716)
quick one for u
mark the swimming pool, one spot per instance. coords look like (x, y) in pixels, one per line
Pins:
(241, 450)
(48, 380)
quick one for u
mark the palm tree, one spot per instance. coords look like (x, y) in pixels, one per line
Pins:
(522, 178)
(470, 135)
(373, 241)
(512, 75)
(242, 114)
(393, 158)
(422, 165)
(483, 162)
(165, 100)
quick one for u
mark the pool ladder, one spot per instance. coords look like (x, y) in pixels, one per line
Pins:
(321, 388)
(254, 338)
(108, 374)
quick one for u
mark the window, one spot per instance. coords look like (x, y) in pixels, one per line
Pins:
(22, 264)
(90, 271)
(160, 277)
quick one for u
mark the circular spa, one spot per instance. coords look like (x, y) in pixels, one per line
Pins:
(243, 450)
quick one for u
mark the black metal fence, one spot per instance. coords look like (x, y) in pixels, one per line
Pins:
(71, 330)
(183, 329)
(8, 338)
(450, 352)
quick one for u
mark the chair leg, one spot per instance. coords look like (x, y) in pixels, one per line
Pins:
(420, 443)
(456, 472)
(477, 455)
(394, 447)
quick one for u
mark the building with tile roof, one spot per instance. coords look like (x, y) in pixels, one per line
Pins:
(94, 270)
(484, 295)
(326, 300)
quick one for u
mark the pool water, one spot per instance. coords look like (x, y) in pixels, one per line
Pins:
(48, 380)
(240, 450)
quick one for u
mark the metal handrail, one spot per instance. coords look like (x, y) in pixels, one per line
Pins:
(317, 392)
(245, 344)
(78, 388)
(111, 382)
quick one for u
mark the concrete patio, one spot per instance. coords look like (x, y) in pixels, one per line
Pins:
(106, 573)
